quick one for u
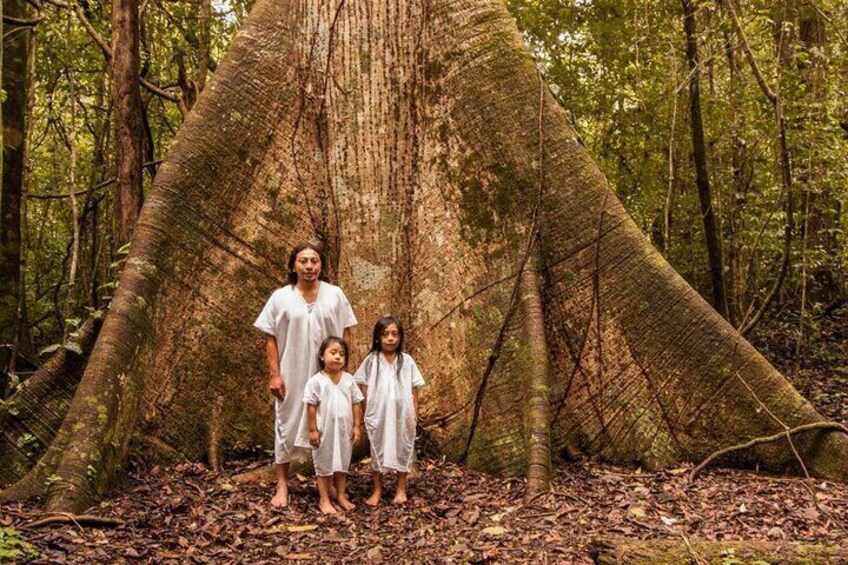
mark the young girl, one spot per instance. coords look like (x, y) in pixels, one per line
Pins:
(333, 419)
(390, 379)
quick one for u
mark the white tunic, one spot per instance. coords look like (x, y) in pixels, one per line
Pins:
(389, 410)
(299, 330)
(334, 419)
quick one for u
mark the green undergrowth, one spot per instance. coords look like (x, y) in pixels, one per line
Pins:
(13, 547)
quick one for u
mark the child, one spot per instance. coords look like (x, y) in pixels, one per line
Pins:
(390, 379)
(333, 419)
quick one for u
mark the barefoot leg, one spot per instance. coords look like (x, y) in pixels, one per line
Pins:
(340, 480)
(324, 503)
(377, 479)
(281, 496)
(400, 495)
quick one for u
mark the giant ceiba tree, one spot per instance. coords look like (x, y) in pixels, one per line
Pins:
(416, 140)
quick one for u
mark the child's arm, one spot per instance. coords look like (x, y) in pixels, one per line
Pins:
(356, 434)
(415, 401)
(312, 416)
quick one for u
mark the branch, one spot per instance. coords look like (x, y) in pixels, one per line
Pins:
(22, 23)
(770, 94)
(107, 51)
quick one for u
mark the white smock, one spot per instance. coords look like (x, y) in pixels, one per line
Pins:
(389, 410)
(334, 420)
(299, 329)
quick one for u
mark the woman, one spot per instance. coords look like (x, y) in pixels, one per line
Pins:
(297, 318)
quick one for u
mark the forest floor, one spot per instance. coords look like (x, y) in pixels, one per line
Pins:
(188, 514)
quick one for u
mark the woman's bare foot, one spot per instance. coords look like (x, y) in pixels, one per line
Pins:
(400, 498)
(345, 502)
(374, 499)
(327, 507)
(281, 497)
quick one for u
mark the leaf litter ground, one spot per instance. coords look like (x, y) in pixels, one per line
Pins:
(188, 514)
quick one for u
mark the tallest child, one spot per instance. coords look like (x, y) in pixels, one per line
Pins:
(296, 319)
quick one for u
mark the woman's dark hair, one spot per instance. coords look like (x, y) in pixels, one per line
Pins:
(327, 343)
(293, 258)
(376, 335)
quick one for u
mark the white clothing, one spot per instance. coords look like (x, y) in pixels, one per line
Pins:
(389, 410)
(334, 419)
(299, 329)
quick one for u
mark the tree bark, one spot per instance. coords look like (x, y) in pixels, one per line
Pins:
(407, 138)
(15, 63)
(702, 177)
(129, 128)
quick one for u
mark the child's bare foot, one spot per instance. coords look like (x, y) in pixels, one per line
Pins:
(374, 499)
(327, 508)
(345, 502)
(400, 498)
(333, 493)
(281, 497)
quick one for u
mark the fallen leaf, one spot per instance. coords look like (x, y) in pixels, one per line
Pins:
(495, 531)
(302, 527)
(668, 521)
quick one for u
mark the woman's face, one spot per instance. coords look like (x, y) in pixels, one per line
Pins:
(334, 357)
(307, 265)
(389, 339)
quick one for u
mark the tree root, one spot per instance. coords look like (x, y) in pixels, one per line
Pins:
(216, 424)
(260, 475)
(30, 418)
(832, 426)
(612, 551)
(78, 520)
(538, 432)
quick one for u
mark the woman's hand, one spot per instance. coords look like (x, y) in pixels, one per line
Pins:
(277, 387)
(314, 439)
(356, 434)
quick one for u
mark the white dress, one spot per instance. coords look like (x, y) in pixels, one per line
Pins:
(334, 419)
(389, 410)
(299, 329)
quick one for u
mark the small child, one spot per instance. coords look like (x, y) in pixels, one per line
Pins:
(333, 419)
(390, 380)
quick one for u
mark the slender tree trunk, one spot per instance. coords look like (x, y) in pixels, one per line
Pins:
(15, 63)
(129, 128)
(735, 281)
(823, 237)
(702, 177)
(358, 125)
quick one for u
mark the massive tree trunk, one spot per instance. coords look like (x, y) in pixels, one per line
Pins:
(417, 141)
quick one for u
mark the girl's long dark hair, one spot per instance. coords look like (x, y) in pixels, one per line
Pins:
(293, 258)
(327, 343)
(379, 328)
